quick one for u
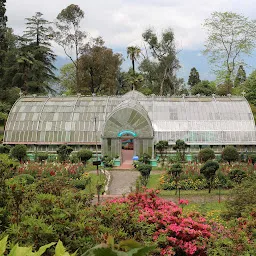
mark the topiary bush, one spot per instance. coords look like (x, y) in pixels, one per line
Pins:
(237, 175)
(209, 170)
(206, 154)
(42, 156)
(19, 152)
(252, 157)
(5, 149)
(63, 152)
(84, 155)
(230, 154)
(144, 170)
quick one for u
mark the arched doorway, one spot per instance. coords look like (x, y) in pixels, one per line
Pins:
(128, 122)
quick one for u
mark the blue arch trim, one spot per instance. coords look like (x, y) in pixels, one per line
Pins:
(120, 134)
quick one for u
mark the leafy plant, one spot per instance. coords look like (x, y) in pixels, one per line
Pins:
(144, 170)
(175, 171)
(63, 152)
(42, 156)
(4, 149)
(131, 247)
(208, 170)
(84, 155)
(19, 152)
(206, 154)
(230, 154)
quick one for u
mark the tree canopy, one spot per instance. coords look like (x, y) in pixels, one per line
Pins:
(231, 36)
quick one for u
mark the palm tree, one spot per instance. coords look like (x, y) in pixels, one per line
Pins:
(133, 52)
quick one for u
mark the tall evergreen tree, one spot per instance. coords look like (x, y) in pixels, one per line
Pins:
(3, 41)
(240, 76)
(36, 57)
(193, 77)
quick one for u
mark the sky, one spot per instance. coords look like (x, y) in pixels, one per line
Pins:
(122, 22)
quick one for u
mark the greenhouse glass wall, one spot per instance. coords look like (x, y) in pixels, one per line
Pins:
(132, 121)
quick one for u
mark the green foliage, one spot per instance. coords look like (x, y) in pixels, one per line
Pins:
(242, 199)
(250, 88)
(95, 77)
(84, 155)
(180, 146)
(63, 152)
(230, 35)
(22, 178)
(160, 69)
(237, 175)
(230, 154)
(69, 36)
(4, 149)
(133, 52)
(204, 87)
(16, 250)
(19, 152)
(193, 77)
(240, 76)
(42, 156)
(206, 154)
(252, 157)
(145, 158)
(131, 247)
(144, 170)
(209, 170)
(107, 161)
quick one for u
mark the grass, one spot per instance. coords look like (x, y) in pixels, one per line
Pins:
(210, 210)
(95, 179)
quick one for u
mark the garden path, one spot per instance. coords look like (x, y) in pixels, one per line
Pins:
(122, 182)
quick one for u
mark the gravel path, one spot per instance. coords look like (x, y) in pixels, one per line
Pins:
(122, 182)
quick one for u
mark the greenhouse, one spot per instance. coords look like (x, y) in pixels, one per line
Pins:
(132, 121)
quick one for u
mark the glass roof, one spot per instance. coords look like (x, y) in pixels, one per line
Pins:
(197, 120)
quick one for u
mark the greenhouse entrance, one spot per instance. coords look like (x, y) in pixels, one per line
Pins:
(127, 132)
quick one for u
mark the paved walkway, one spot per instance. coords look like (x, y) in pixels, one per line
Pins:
(122, 182)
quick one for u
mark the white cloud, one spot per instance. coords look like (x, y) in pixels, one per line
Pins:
(122, 22)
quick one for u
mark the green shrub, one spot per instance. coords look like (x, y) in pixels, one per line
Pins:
(237, 175)
(144, 170)
(9, 162)
(206, 154)
(242, 199)
(5, 149)
(145, 158)
(74, 158)
(230, 154)
(23, 178)
(208, 170)
(80, 184)
(63, 152)
(19, 152)
(253, 158)
(84, 155)
(42, 156)
(107, 161)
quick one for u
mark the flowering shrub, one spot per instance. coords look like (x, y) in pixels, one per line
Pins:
(173, 233)
(52, 169)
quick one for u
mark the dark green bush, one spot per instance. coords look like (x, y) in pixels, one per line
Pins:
(208, 170)
(19, 152)
(144, 170)
(230, 154)
(84, 155)
(237, 175)
(63, 152)
(27, 177)
(107, 161)
(253, 158)
(206, 154)
(42, 156)
(5, 149)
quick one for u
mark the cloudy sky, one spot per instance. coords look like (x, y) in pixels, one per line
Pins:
(121, 22)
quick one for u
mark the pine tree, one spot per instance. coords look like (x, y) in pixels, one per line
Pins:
(240, 76)
(193, 77)
(3, 41)
(36, 57)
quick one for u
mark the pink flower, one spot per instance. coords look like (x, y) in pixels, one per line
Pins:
(183, 202)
